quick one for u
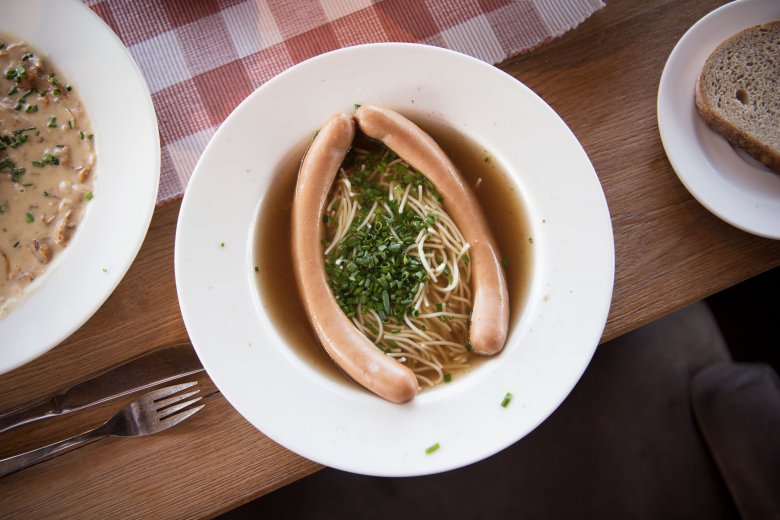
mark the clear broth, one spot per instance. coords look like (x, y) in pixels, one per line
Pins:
(496, 193)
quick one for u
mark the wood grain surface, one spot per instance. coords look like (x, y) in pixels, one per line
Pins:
(602, 78)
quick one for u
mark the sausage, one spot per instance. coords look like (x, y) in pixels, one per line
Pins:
(345, 344)
(490, 317)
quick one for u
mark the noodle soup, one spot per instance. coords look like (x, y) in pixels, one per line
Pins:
(441, 319)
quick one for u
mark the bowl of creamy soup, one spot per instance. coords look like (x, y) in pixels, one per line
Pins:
(79, 169)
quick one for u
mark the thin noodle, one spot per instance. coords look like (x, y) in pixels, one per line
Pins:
(431, 342)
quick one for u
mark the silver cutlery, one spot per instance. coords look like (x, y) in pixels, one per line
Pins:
(157, 367)
(150, 413)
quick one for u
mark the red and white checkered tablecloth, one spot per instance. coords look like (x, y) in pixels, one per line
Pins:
(201, 58)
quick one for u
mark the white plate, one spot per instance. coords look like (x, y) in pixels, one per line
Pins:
(729, 183)
(126, 174)
(344, 426)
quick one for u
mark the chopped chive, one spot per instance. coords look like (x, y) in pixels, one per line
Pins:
(2, 208)
(447, 378)
(257, 269)
(469, 347)
(507, 399)
(221, 244)
(13, 90)
(505, 262)
(52, 122)
(29, 218)
(431, 449)
(89, 196)
(357, 105)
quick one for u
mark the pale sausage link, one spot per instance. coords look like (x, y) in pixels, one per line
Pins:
(490, 318)
(348, 347)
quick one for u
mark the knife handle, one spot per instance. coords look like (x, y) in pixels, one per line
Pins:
(29, 413)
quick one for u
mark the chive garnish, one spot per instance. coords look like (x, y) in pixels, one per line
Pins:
(2, 208)
(89, 196)
(47, 159)
(52, 122)
(469, 347)
(507, 399)
(431, 449)
(16, 174)
(29, 218)
(447, 378)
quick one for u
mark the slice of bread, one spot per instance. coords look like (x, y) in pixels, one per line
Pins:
(738, 92)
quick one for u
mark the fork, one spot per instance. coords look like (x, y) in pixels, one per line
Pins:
(150, 413)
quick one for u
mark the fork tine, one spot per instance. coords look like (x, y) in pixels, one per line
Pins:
(171, 410)
(168, 390)
(175, 399)
(172, 420)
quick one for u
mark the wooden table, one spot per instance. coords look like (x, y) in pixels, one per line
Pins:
(602, 78)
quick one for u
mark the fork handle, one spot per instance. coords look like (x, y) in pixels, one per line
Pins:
(15, 463)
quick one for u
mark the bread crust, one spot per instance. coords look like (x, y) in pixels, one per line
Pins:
(727, 124)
